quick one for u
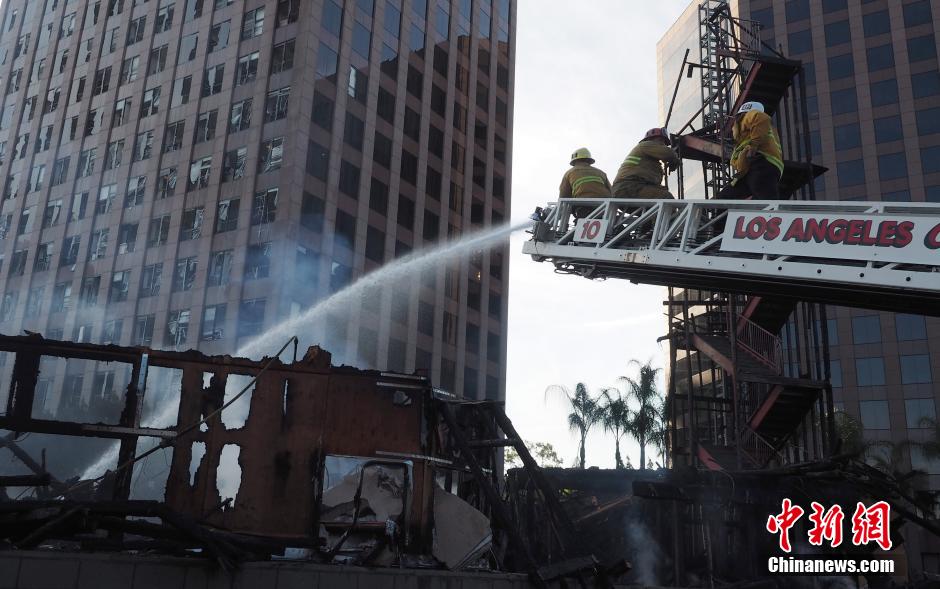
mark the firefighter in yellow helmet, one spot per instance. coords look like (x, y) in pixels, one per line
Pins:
(583, 180)
(641, 173)
(757, 157)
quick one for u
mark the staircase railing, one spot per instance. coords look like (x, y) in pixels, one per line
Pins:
(758, 449)
(764, 346)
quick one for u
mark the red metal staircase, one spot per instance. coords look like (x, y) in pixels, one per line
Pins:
(774, 404)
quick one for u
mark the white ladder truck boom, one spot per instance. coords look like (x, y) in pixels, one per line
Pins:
(876, 255)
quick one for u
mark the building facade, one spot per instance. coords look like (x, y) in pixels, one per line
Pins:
(188, 173)
(873, 91)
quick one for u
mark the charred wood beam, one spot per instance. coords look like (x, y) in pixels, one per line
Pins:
(492, 495)
(498, 443)
(48, 528)
(26, 480)
(67, 428)
(9, 442)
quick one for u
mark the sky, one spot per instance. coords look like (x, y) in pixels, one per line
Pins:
(585, 77)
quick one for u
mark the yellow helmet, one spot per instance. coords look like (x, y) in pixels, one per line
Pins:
(582, 154)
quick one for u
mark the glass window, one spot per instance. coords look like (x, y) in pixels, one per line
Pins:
(797, 10)
(928, 121)
(838, 33)
(361, 40)
(910, 327)
(921, 413)
(921, 48)
(932, 193)
(851, 173)
(833, 5)
(876, 23)
(847, 136)
(874, 414)
(318, 160)
(870, 371)
(844, 101)
(926, 84)
(322, 111)
(326, 61)
(930, 159)
(392, 20)
(883, 93)
(917, 13)
(881, 57)
(866, 330)
(764, 16)
(841, 66)
(888, 129)
(800, 42)
(892, 166)
(897, 196)
(835, 373)
(332, 17)
(915, 369)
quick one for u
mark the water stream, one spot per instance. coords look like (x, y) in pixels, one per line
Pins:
(309, 323)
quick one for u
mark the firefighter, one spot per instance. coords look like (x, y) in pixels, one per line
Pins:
(583, 180)
(641, 173)
(757, 157)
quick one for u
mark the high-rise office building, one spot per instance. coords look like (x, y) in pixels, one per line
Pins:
(873, 97)
(188, 173)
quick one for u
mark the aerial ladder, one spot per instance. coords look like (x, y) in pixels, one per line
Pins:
(772, 254)
(875, 255)
(748, 280)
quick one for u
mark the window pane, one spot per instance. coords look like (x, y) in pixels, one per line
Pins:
(888, 129)
(866, 330)
(892, 166)
(800, 42)
(926, 84)
(851, 173)
(844, 101)
(928, 121)
(921, 48)
(910, 327)
(915, 369)
(841, 66)
(838, 33)
(883, 93)
(876, 23)
(920, 413)
(874, 414)
(847, 136)
(880, 58)
(870, 371)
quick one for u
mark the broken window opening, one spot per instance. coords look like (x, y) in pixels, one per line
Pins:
(236, 415)
(197, 453)
(228, 476)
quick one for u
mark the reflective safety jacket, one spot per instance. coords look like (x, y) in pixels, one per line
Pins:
(755, 128)
(643, 162)
(584, 179)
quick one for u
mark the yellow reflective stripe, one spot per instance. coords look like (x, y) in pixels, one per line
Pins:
(632, 159)
(777, 162)
(585, 180)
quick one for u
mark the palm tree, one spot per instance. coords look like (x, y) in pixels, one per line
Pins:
(643, 391)
(616, 418)
(660, 436)
(585, 412)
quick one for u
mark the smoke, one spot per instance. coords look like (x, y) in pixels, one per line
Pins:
(308, 324)
(646, 554)
(163, 394)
